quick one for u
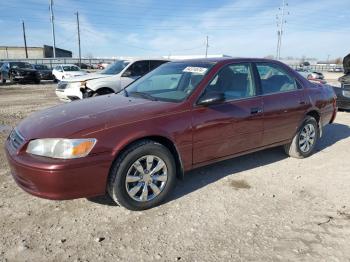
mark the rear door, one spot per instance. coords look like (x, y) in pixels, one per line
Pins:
(284, 103)
(233, 126)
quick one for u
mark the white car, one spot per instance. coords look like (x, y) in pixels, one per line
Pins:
(62, 72)
(110, 80)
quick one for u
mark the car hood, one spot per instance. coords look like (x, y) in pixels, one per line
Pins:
(83, 117)
(87, 77)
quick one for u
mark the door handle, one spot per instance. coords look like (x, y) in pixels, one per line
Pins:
(256, 110)
(302, 102)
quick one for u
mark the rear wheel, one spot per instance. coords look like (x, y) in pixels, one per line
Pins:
(143, 176)
(304, 141)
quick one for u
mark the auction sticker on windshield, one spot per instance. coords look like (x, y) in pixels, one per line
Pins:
(195, 69)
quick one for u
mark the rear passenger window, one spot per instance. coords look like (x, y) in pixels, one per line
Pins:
(274, 79)
(235, 81)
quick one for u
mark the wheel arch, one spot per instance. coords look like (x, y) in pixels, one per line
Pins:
(165, 141)
(104, 88)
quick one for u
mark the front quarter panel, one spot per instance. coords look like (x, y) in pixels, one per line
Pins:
(175, 127)
(112, 82)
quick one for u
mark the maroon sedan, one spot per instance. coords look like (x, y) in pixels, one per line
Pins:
(180, 116)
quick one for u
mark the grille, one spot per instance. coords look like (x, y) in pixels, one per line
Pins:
(16, 140)
(62, 85)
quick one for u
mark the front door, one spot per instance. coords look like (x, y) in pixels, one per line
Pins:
(233, 126)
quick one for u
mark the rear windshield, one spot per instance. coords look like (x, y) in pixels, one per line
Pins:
(173, 81)
(41, 67)
(71, 68)
(21, 65)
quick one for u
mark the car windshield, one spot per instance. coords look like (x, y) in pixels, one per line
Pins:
(71, 68)
(115, 68)
(172, 82)
(21, 65)
(41, 67)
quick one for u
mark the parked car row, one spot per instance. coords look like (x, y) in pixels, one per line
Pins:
(23, 72)
(176, 117)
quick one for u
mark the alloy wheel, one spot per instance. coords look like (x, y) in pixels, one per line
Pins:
(307, 138)
(146, 178)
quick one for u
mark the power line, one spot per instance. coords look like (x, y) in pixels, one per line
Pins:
(206, 46)
(78, 27)
(53, 29)
(280, 24)
(25, 39)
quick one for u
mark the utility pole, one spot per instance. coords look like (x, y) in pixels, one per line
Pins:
(280, 24)
(25, 40)
(78, 37)
(53, 29)
(206, 46)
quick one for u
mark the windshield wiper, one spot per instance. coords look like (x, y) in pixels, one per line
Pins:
(143, 95)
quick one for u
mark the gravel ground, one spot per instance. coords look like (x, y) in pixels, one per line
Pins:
(259, 207)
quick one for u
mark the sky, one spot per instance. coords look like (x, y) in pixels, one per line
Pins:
(244, 28)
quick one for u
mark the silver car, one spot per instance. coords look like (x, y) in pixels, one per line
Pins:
(110, 80)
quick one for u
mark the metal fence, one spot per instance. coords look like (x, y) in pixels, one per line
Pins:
(52, 62)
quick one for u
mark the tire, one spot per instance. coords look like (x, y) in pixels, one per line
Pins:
(37, 81)
(124, 166)
(2, 79)
(12, 80)
(296, 148)
(103, 91)
(55, 80)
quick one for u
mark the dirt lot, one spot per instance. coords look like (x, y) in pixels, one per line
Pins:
(259, 207)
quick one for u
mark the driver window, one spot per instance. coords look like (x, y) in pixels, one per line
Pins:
(234, 81)
(139, 68)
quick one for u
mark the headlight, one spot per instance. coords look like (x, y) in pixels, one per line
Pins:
(61, 148)
(82, 84)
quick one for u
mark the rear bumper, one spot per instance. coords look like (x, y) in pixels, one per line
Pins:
(59, 179)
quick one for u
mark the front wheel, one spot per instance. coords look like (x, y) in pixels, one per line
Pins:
(304, 141)
(143, 176)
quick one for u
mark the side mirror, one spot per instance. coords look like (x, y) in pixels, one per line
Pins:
(127, 73)
(211, 98)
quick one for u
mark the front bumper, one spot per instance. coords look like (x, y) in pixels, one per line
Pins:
(59, 179)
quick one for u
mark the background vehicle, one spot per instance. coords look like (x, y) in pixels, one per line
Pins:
(309, 74)
(103, 65)
(180, 116)
(343, 93)
(61, 72)
(110, 80)
(44, 72)
(19, 72)
(84, 66)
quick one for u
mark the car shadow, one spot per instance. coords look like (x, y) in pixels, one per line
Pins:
(201, 177)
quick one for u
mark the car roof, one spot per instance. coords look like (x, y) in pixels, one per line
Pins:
(66, 65)
(132, 60)
(225, 59)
